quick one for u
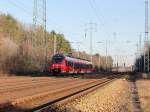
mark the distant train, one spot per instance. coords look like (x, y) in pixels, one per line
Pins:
(65, 64)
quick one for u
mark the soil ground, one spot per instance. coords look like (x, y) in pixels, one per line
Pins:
(144, 94)
(114, 97)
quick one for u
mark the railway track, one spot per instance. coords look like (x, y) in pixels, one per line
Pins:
(26, 85)
(44, 99)
(8, 82)
(16, 93)
(62, 101)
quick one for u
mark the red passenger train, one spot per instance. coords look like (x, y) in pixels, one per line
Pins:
(65, 64)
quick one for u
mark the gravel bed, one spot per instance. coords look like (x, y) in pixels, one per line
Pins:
(114, 97)
(144, 94)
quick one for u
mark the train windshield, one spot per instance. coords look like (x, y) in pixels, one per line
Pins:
(57, 59)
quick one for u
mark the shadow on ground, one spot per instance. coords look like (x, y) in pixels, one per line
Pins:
(48, 109)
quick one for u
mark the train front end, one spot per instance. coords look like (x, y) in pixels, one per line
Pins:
(58, 64)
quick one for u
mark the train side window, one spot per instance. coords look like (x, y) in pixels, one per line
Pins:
(79, 66)
(76, 66)
(71, 63)
(68, 63)
(90, 66)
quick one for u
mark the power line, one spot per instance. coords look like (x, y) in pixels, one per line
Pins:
(100, 18)
(92, 3)
(23, 7)
(19, 7)
(22, 4)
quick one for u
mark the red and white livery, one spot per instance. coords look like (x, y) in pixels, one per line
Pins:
(65, 64)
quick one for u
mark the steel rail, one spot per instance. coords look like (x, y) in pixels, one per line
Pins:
(66, 99)
(58, 95)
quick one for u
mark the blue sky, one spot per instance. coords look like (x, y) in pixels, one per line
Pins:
(117, 21)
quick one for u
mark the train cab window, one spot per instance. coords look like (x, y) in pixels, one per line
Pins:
(69, 63)
(57, 59)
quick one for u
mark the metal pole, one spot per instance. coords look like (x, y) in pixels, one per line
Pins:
(78, 45)
(137, 56)
(45, 36)
(92, 26)
(99, 56)
(91, 43)
(55, 43)
(106, 56)
(33, 38)
(140, 51)
(99, 62)
(146, 41)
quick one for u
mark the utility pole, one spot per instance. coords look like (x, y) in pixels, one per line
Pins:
(146, 40)
(99, 57)
(78, 46)
(99, 62)
(55, 43)
(140, 51)
(91, 27)
(78, 51)
(45, 36)
(106, 53)
(137, 56)
(39, 19)
(106, 56)
(33, 38)
(140, 44)
(117, 67)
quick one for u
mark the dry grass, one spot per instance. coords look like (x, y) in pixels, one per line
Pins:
(144, 94)
(114, 97)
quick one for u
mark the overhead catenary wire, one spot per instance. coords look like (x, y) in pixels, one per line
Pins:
(92, 3)
(21, 6)
(100, 18)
